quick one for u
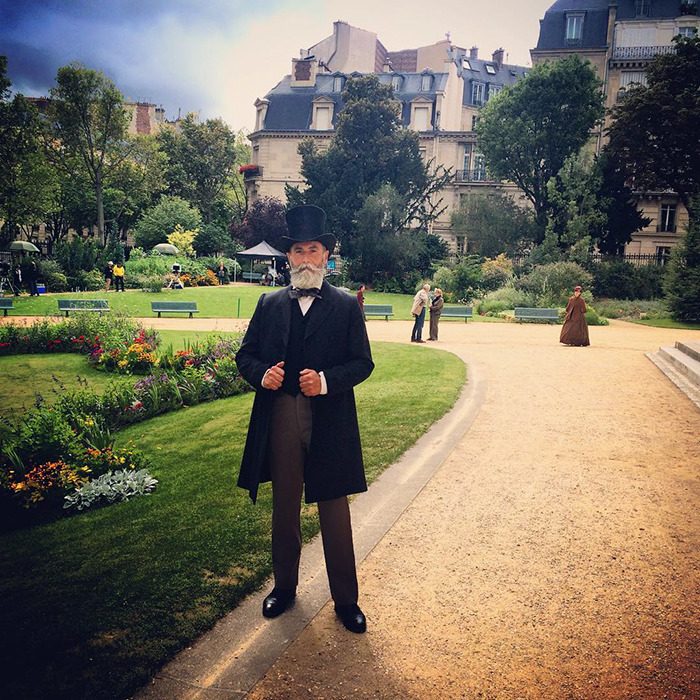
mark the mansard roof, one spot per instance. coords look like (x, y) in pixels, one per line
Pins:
(291, 108)
(595, 24)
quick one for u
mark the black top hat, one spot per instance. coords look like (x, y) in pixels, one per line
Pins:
(307, 222)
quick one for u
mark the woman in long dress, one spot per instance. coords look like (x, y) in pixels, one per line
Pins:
(575, 329)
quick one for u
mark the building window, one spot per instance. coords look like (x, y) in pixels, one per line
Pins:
(421, 118)
(426, 82)
(323, 118)
(475, 121)
(467, 157)
(423, 153)
(396, 82)
(687, 32)
(574, 28)
(338, 83)
(466, 65)
(632, 77)
(477, 93)
(479, 167)
(667, 219)
(642, 8)
(491, 70)
(663, 253)
(494, 90)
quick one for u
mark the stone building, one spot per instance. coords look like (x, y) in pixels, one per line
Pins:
(441, 88)
(620, 38)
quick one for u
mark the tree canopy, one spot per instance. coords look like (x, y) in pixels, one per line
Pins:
(88, 123)
(202, 168)
(531, 128)
(655, 132)
(158, 222)
(369, 149)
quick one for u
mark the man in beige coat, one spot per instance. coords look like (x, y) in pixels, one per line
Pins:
(420, 302)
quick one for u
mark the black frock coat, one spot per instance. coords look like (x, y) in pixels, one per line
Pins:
(335, 343)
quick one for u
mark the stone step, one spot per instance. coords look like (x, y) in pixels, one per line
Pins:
(671, 369)
(689, 347)
(683, 363)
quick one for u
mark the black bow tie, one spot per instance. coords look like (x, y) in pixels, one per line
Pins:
(313, 292)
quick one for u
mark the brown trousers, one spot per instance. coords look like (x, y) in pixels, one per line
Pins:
(290, 435)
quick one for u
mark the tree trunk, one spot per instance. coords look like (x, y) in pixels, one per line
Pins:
(100, 209)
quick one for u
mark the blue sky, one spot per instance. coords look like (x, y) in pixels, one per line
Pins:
(216, 57)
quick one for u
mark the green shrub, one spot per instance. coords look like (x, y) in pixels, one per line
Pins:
(622, 280)
(53, 276)
(632, 309)
(112, 487)
(594, 319)
(551, 285)
(502, 299)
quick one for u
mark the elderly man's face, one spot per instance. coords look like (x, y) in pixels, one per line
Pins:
(307, 263)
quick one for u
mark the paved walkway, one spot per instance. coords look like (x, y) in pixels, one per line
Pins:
(543, 541)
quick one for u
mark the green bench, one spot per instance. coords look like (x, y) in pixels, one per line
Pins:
(68, 305)
(524, 313)
(251, 276)
(385, 310)
(6, 304)
(464, 312)
(174, 307)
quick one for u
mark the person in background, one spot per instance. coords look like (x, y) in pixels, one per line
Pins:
(32, 277)
(118, 273)
(109, 274)
(436, 305)
(17, 279)
(361, 299)
(420, 303)
(575, 329)
(305, 349)
(221, 273)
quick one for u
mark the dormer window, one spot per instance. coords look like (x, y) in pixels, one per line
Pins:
(322, 117)
(642, 8)
(396, 82)
(426, 82)
(494, 90)
(491, 70)
(478, 90)
(338, 82)
(466, 65)
(574, 28)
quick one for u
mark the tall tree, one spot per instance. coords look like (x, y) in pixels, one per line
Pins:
(492, 224)
(369, 149)
(88, 122)
(203, 168)
(655, 130)
(532, 127)
(264, 221)
(26, 180)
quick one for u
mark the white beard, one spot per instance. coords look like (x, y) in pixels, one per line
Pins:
(307, 276)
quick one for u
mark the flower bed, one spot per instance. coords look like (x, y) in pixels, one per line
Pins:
(49, 453)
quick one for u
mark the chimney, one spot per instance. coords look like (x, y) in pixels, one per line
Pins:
(474, 52)
(304, 72)
(498, 57)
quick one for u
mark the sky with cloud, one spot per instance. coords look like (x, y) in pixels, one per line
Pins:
(216, 57)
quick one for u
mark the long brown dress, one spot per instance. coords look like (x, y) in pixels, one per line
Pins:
(575, 329)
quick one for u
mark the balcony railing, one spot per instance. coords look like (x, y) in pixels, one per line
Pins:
(641, 52)
(478, 175)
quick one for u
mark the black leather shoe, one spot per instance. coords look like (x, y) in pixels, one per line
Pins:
(277, 602)
(352, 617)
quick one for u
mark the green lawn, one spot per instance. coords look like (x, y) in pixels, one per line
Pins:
(95, 603)
(213, 302)
(28, 378)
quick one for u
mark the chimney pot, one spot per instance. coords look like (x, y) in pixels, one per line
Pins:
(474, 52)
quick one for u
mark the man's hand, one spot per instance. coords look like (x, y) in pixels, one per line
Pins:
(309, 382)
(273, 378)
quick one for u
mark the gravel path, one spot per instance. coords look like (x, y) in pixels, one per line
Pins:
(555, 554)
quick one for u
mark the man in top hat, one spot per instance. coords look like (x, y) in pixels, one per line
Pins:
(305, 349)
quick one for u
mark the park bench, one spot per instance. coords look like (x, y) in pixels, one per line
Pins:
(174, 307)
(251, 276)
(523, 313)
(385, 310)
(5, 304)
(464, 312)
(68, 305)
